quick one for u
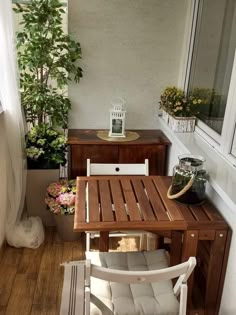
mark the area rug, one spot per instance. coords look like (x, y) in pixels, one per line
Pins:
(72, 301)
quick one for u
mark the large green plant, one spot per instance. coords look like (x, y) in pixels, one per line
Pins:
(47, 61)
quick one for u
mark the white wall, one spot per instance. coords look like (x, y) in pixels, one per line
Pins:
(130, 48)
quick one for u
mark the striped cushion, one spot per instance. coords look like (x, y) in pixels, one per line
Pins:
(73, 289)
(132, 299)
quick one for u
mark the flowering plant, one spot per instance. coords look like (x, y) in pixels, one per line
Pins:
(60, 197)
(176, 103)
(45, 147)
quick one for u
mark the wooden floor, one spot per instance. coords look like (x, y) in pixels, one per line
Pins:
(31, 279)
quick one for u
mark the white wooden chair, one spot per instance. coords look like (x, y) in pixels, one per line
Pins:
(120, 169)
(122, 283)
(117, 169)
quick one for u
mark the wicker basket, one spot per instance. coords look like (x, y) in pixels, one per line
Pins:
(179, 124)
(182, 124)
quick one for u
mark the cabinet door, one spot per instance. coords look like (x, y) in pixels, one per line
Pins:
(97, 153)
(156, 154)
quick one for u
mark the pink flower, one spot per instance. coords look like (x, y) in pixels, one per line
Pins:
(66, 199)
(54, 189)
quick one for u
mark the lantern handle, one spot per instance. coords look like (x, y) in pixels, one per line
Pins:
(183, 190)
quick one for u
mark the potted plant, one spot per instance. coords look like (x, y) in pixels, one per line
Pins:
(60, 200)
(48, 60)
(179, 110)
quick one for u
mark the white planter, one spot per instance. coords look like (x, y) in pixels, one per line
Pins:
(181, 124)
(165, 116)
(37, 183)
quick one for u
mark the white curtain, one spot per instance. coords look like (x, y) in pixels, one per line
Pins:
(12, 158)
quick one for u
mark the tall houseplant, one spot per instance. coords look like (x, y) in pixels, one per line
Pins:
(48, 60)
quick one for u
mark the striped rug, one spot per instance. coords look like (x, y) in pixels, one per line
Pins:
(72, 301)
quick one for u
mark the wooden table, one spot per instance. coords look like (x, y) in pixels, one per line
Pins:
(111, 203)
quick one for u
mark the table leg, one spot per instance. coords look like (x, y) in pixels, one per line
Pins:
(214, 273)
(224, 267)
(104, 241)
(190, 243)
(175, 247)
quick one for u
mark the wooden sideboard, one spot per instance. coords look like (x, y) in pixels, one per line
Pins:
(84, 143)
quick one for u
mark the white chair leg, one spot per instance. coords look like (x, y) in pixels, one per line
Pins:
(183, 299)
(87, 242)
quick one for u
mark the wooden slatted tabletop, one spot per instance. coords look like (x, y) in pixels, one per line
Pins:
(137, 202)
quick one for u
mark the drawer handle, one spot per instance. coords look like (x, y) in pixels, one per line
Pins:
(117, 169)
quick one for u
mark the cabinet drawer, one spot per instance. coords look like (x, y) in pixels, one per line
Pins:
(156, 154)
(97, 153)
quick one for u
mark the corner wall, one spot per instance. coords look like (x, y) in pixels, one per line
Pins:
(130, 49)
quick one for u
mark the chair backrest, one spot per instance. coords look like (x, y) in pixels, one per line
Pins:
(182, 271)
(117, 169)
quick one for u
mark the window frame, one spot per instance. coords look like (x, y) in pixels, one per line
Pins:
(222, 143)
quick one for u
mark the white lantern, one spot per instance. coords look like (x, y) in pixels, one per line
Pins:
(117, 118)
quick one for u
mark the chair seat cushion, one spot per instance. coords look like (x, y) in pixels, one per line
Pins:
(132, 299)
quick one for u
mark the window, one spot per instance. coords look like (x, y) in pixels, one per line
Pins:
(212, 71)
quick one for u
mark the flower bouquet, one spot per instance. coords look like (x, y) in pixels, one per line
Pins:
(60, 197)
(60, 200)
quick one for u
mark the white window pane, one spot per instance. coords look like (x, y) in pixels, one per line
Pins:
(212, 62)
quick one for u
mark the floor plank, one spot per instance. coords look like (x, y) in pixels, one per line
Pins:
(21, 299)
(44, 310)
(31, 280)
(8, 270)
(22, 294)
(48, 277)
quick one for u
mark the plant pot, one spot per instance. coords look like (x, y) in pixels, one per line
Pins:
(65, 225)
(181, 124)
(41, 165)
(37, 183)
